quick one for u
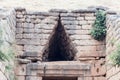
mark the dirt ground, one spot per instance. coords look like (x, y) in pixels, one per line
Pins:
(45, 5)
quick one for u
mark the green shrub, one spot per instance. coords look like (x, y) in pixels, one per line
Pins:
(98, 31)
(115, 56)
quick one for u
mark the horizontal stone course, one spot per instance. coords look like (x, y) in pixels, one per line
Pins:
(31, 42)
(33, 48)
(79, 32)
(34, 36)
(87, 42)
(80, 37)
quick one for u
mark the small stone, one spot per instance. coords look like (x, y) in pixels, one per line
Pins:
(19, 30)
(23, 61)
(66, 22)
(68, 15)
(18, 36)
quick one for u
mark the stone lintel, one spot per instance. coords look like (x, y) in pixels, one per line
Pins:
(64, 68)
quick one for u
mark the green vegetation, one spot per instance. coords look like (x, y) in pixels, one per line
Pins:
(3, 57)
(98, 31)
(115, 56)
(7, 58)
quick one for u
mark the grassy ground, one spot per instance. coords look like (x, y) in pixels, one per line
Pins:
(45, 5)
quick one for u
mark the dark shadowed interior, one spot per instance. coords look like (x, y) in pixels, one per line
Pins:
(60, 47)
(59, 78)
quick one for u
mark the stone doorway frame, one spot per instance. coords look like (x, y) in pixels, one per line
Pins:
(36, 71)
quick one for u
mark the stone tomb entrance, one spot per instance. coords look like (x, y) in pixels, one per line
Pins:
(60, 78)
(58, 46)
(58, 59)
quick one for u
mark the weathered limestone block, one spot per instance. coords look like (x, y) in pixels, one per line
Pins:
(83, 22)
(31, 16)
(66, 22)
(23, 61)
(90, 14)
(28, 41)
(33, 78)
(38, 31)
(55, 69)
(84, 11)
(19, 52)
(28, 20)
(101, 47)
(98, 70)
(33, 48)
(67, 15)
(19, 25)
(20, 70)
(20, 20)
(90, 18)
(47, 31)
(68, 18)
(90, 22)
(87, 59)
(36, 36)
(54, 14)
(99, 78)
(80, 18)
(28, 36)
(19, 47)
(41, 17)
(87, 27)
(72, 27)
(84, 78)
(28, 30)
(39, 26)
(81, 32)
(32, 54)
(43, 42)
(28, 25)
(87, 42)
(90, 53)
(47, 27)
(20, 77)
(37, 20)
(19, 16)
(19, 30)
(18, 36)
(80, 37)
(83, 48)
(48, 20)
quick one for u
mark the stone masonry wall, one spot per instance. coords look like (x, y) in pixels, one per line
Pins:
(112, 40)
(33, 30)
(7, 28)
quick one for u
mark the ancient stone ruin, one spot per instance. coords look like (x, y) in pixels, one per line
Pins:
(57, 45)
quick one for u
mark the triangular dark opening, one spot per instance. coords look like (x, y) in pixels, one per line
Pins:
(60, 47)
